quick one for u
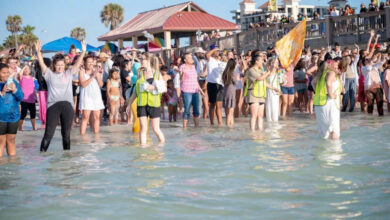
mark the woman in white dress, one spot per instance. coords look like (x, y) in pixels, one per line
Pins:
(273, 90)
(90, 95)
(328, 88)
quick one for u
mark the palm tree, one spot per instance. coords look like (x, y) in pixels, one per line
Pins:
(28, 38)
(112, 14)
(13, 25)
(78, 33)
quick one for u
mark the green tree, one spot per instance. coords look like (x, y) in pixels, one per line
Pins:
(28, 38)
(78, 33)
(112, 15)
(13, 25)
(10, 41)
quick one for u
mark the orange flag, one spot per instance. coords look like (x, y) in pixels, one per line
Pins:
(289, 48)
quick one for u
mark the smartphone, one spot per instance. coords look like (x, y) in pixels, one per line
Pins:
(9, 82)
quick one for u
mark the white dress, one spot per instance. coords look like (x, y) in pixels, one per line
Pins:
(272, 99)
(328, 115)
(90, 96)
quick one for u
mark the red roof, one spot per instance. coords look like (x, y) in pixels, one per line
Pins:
(169, 18)
(193, 21)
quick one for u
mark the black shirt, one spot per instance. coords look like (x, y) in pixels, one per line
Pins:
(125, 84)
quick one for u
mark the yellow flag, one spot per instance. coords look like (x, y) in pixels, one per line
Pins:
(289, 48)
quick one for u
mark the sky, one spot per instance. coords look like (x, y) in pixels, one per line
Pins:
(54, 19)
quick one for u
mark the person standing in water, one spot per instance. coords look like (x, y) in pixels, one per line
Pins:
(10, 96)
(255, 90)
(60, 96)
(328, 88)
(230, 79)
(149, 87)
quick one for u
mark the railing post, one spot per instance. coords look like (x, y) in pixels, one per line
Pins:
(358, 28)
(257, 39)
(237, 42)
(329, 30)
(387, 14)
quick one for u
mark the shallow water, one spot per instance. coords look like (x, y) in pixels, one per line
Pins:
(286, 172)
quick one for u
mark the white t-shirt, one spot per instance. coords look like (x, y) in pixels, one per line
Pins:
(59, 86)
(215, 69)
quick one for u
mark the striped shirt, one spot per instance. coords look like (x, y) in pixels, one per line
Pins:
(189, 83)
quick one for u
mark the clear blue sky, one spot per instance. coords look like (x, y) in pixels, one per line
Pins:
(54, 19)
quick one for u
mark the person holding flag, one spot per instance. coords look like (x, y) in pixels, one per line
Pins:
(289, 50)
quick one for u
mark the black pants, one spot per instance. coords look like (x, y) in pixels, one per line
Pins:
(373, 96)
(30, 107)
(62, 111)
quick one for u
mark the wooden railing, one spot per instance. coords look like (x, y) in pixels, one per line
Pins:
(346, 30)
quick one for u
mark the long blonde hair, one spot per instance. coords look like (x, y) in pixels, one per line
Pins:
(155, 63)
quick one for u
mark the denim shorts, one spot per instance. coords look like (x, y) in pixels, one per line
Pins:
(288, 90)
(188, 100)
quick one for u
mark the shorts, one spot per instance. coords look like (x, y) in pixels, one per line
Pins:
(25, 106)
(215, 92)
(300, 91)
(202, 83)
(147, 111)
(288, 90)
(8, 128)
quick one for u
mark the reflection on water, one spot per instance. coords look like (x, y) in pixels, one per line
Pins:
(284, 172)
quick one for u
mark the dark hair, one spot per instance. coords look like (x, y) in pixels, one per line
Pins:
(72, 47)
(163, 68)
(87, 57)
(227, 75)
(3, 65)
(59, 57)
(300, 65)
(124, 64)
(336, 44)
(169, 81)
(118, 60)
(112, 71)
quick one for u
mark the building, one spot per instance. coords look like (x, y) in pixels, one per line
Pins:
(172, 22)
(338, 3)
(249, 13)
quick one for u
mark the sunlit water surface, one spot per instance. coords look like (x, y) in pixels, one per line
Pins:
(286, 172)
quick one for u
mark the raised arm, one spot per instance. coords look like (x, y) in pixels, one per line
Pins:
(79, 61)
(38, 47)
(208, 54)
(373, 47)
(372, 34)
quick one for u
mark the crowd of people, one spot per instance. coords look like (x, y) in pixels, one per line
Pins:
(332, 11)
(80, 89)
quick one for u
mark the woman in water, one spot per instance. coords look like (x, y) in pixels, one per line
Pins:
(328, 87)
(10, 96)
(60, 96)
(149, 87)
(255, 90)
(90, 95)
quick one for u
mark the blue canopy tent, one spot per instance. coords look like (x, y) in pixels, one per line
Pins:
(63, 45)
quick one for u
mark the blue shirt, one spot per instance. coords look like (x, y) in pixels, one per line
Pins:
(9, 104)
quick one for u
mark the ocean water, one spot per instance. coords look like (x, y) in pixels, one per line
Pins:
(284, 172)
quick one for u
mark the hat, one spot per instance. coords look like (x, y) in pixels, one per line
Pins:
(103, 55)
(199, 50)
(337, 59)
(214, 46)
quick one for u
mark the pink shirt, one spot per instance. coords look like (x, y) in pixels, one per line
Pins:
(189, 83)
(28, 88)
(290, 77)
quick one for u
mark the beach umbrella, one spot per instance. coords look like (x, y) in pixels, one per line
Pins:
(109, 46)
(63, 45)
